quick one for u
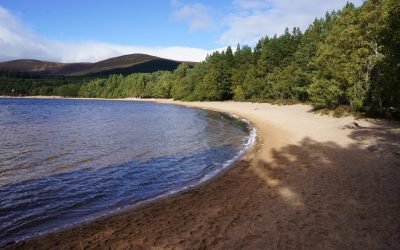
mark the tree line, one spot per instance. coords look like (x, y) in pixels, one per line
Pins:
(25, 83)
(348, 58)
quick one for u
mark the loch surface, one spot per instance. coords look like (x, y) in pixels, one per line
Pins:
(66, 161)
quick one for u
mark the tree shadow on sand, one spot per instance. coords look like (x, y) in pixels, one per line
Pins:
(335, 197)
(381, 136)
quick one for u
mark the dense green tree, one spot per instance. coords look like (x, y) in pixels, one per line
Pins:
(196, 78)
(385, 90)
(182, 87)
(352, 55)
(70, 90)
(217, 81)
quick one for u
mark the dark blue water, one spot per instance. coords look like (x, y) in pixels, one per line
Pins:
(65, 161)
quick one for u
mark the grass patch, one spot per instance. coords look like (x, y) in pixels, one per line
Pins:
(279, 102)
(341, 111)
(395, 130)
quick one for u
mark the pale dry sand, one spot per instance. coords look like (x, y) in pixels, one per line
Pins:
(310, 182)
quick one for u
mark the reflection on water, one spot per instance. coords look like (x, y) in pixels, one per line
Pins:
(62, 161)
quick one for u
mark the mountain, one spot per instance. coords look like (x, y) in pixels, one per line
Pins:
(126, 64)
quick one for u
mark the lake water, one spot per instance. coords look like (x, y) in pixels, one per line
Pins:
(66, 161)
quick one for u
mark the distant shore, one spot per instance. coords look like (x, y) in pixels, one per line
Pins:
(310, 181)
(57, 97)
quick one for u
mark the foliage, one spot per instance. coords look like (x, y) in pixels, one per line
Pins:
(348, 58)
(16, 83)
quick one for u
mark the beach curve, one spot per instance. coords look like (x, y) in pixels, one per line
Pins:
(311, 181)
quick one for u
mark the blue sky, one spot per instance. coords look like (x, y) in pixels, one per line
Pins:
(149, 23)
(90, 30)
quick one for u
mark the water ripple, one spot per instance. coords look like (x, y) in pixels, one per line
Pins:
(64, 161)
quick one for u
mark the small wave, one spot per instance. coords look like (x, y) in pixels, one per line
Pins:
(250, 141)
(133, 155)
(54, 157)
(247, 145)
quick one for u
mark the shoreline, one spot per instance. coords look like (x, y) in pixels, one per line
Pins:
(302, 184)
(249, 146)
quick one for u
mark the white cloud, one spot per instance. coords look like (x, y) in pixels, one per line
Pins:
(17, 41)
(253, 19)
(251, 4)
(175, 2)
(197, 15)
(248, 21)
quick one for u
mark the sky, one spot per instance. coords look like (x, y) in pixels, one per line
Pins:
(93, 30)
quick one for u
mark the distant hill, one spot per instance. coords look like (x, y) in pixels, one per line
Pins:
(126, 64)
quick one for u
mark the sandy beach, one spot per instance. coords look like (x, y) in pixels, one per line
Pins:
(309, 182)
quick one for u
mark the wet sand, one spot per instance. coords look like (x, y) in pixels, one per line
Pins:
(310, 182)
